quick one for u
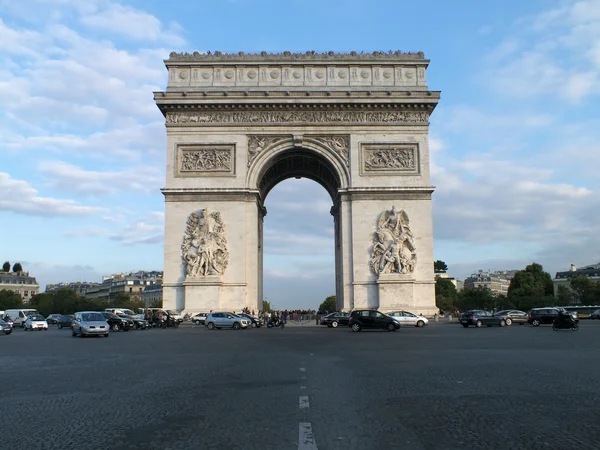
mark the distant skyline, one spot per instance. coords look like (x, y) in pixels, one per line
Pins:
(515, 140)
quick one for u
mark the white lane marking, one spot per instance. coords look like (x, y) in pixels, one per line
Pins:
(306, 439)
(302, 369)
(303, 402)
(302, 387)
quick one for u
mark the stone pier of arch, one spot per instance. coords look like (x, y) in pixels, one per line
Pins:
(238, 124)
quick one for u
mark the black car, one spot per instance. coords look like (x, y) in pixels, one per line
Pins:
(255, 322)
(53, 319)
(138, 324)
(595, 315)
(545, 316)
(514, 316)
(65, 321)
(335, 319)
(5, 327)
(371, 320)
(117, 323)
(479, 318)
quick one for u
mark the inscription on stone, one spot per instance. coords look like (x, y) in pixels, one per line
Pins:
(205, 159)
(388, 158)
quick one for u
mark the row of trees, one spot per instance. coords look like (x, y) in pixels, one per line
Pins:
(529, 288)
(66, 301)
(16, 268)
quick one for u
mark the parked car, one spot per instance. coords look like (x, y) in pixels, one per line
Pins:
(595, 315)
(53, 319)
(409, 319)
(514, 316)
(546, 316)
(254, 322)
(138, 323)
(370, 319)
(117, 323)
(199, 319)
(65, 321)
(35, 322)
(336, 319)
(88, 323)
(220, 320)
(480, 318)
(5, 327)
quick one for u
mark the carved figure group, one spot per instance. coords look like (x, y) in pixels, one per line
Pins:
(204, 249)
(205, 160)
(394, 158)
(393, 244)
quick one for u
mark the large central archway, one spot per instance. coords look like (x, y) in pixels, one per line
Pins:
(357, 124)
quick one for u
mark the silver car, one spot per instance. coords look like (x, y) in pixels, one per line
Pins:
(409, 319)
(220, 320)
(88, 323)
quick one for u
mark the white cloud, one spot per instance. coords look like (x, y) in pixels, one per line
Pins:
(20, 197)
(148, 229)
(555, 53)
(131, 23)
(70, 178)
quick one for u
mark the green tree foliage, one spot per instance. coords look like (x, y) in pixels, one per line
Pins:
(531, 288)
(17, 267)
(440, 266)
(266, 306)
(587, 292)
(479, 298)
(63, 301)
(445, 294)
(9, 300)
(6, 267)
(129, 302)
(329, 304)
(566, 296)
(531, 282)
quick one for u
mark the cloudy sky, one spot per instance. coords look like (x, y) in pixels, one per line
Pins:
(515, 139)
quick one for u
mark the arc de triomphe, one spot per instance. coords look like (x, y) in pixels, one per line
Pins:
(238, 124)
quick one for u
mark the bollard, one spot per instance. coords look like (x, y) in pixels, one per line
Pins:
(435, 318)
(449, 317)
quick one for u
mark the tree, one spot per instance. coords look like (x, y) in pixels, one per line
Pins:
(531, 282)
(17, 267)
(586, 290)
(445, 294)
(266, 306)
(479, 298)
(440, 267)
(9, 300)
(329, 304)
(566, 296)
(6, 267)
(128, 301)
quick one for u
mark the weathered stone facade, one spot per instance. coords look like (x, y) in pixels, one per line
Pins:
(238, 124)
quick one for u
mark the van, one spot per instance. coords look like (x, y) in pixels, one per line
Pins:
(19, 316)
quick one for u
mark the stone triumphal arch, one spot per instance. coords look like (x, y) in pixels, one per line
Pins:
(238, 124)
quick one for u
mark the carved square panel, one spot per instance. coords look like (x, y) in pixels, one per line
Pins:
(389, 159)
(194, 160)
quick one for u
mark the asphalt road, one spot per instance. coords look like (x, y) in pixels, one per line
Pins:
(440, 387)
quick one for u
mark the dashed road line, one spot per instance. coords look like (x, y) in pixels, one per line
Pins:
(302, 369)
(303, 402)
(306, 439)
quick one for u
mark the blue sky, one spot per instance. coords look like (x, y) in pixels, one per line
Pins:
(515, 140)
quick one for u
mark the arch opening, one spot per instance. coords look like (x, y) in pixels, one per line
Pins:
(299, 163)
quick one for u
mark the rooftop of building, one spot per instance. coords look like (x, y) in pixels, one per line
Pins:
(14, 277)
(591, 270)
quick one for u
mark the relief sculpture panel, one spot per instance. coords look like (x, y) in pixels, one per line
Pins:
(389, 159)
(204, 249)
(205, 159)
(393, 244)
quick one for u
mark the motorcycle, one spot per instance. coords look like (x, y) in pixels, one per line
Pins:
(276, 324)
(567, 323)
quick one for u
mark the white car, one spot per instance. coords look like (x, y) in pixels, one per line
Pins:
(35, 322)
(406, 318)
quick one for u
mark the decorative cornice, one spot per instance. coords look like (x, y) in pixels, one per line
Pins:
(216, 57)
(210, 194)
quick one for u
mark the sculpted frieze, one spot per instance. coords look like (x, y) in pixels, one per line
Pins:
(204, 249)
(295, 117)
(388, 158)
(338, 144)
(258, 143)
(393, 244)
(205, 158)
